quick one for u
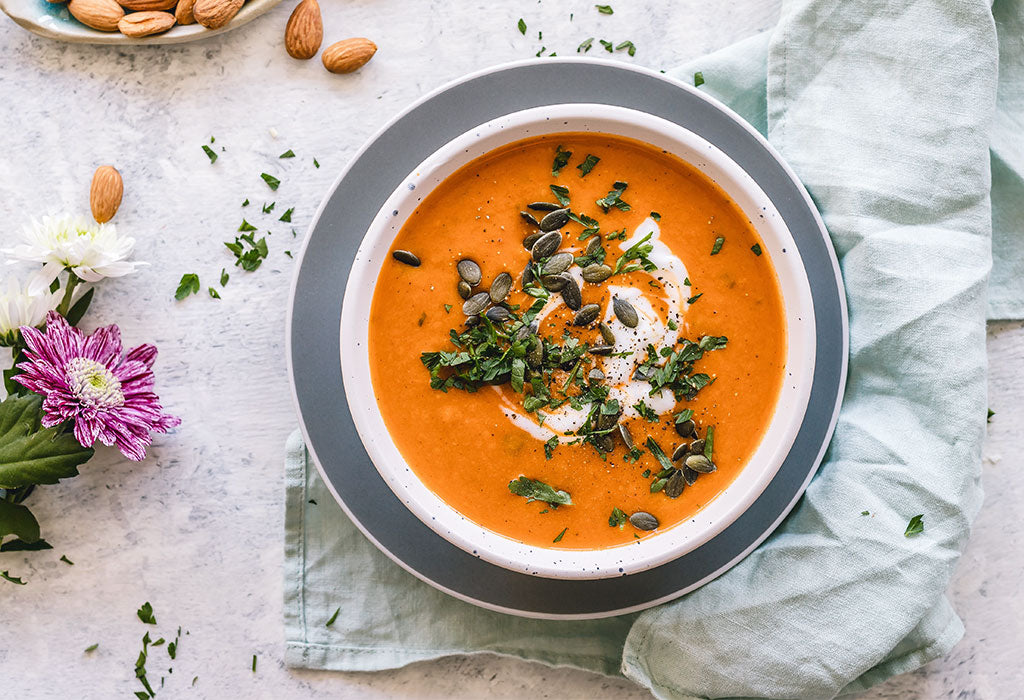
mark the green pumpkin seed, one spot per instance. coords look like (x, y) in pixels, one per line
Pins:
(606, 443)
(606, 333)
(500, 287)
(546, 245)
(528, 277)
(404, 256)
(498, 314)
(529, 218)
(593, 245)
(586, 315)
(543, 206)
(690, 476)
(595, 375)
(475, 305)
(557, 263)
(643, 521)
(465, 291)
(472, 321)
(625, 312)
(555, 283)
(600, 350)
(675, 485)
(607, 420)
(525, 332)
(535, 355)
(627, 437)
(700, 464)
(469, 271)
(595, 274)
(571, 295)
(697, 447)
(531, 239)
(681, 451)
(554, 220)
(686, 429)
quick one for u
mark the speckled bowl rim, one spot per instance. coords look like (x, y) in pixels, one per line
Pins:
(42, 18)
(315, 308)
(666, 543)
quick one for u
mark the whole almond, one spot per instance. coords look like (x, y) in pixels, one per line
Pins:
(105, 192)
(98, 14)
(214, 14)
(305, 30)
(146, 5)
(183, 12)
(348, 55)
(145, 23)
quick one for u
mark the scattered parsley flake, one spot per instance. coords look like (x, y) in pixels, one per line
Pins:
(717, 247)
(694, 298)
(92, 647)
(188, 285)
(254, 663)
(145, 614)
(646, 411)
(246, 226)
(64, 558)
(756, 248)
(672, 325)
(522, 26)
(864, 512)
(684, 415)
(605, 9)
(618, 518)
(224, 277)
(246, 202)
(287, 216)
(588, 164)
(333, 618)
(13, 579)
(542, 50)
(272, 182)
(709, 442)
(534, 490)
(698, 79)
(561, 160)
(447, 308)
(560, 535)
(915, 526)
(561, 194)
(315, 163)
(628, 45)
(990, 414)
(585, 45)
(210, 154)
(213, 293)
(267, 208)
(614, 198)
(287, 154)
(288, 253)
(608, 46)
(549, 447)
(656, 216)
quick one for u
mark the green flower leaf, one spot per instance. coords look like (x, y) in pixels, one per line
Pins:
(16, 519)
(30, 454)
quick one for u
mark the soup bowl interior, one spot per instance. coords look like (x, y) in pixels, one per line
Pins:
(665, 545)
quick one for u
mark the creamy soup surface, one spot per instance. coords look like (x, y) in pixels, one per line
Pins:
(702, 274)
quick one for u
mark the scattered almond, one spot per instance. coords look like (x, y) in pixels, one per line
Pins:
(147, 5)
(145, 23)
(305, 30)
(214, 14)
(107, 186)
(348, 55)
(183, 12)
(98, 14)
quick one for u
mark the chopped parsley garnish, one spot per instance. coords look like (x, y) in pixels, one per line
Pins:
(698, 79)
(561, 160)
(254, 663)
(287, 216)
(561, 194)
(246, 202)
(213, 293)
(315, 163)
(287, 154)
(210, 154)
(272, 182)
(549, 447)
(656, 216)
(628, 45)
(447, 308)
(717, 247)
(618, 518)
(605, 9)
(608, 46)
(64, 558)
(588, 164)
(694, 298)
(6, 575)
(915, 526)
(333, 618)
(92, 647)
(145, 614)
(709, 442)
(638, 252)
(560, 535)
(990, 414)
(865, 512)
(140, 670)
(646, 412)
(522, 26)
(659, 454)
(672, 325)
(590, 225)
(684, 415)
(246, 226)
(249, 253)
(614, 198)
(542, 50)
(267, 208)
(585, 45)
(534, 490)
(224, 277)
(188, 285)
(756, 248)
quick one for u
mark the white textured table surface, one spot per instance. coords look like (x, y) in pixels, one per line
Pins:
(196, 529)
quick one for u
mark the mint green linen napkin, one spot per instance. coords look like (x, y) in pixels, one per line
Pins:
(885, 111)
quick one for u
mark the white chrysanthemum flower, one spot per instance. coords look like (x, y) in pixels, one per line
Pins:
(92, 251)
(20, 308)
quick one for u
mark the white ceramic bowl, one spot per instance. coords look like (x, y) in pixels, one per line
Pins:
(53, 21)
(671, 542)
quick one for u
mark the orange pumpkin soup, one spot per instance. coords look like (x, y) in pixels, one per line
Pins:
(633, 377)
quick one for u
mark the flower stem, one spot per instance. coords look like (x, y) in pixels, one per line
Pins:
(65, 304)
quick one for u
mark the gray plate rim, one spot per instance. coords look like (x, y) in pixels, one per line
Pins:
(322, 268)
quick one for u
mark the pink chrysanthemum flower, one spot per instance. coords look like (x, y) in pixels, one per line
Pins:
(89, 380)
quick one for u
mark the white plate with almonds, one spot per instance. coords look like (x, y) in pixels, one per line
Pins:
(133, 21)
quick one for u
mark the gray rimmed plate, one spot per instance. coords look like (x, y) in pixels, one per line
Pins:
(315, 310)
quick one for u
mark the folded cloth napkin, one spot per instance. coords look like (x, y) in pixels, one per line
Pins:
(887, 111)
